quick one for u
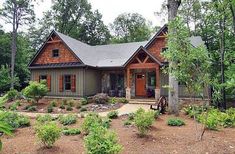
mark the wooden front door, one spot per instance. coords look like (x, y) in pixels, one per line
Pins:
(140, 84)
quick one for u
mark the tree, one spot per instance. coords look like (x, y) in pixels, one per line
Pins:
(5, 78)
(16, 12)
(172, 6)
(129, 27)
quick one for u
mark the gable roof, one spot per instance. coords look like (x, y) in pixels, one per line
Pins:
(112, 55)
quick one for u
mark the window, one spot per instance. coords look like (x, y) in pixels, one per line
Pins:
(151, 79)
(164, 49)
(55, 53)
(42, 77)
(116, 81)
(67, 82)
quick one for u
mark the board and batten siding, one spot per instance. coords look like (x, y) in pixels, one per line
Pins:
(55, 75)
(182, 89)
(92, 82)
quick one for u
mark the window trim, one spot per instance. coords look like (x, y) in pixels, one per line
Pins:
(53, 50)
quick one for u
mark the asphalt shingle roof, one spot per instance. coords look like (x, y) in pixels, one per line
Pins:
(113, 55)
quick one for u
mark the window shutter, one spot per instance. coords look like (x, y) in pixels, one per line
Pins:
(73, 85)
(61, 79)
(49, 82)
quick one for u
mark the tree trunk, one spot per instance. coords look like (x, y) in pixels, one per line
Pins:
(13, 44)
(222, 50)
(173, 6)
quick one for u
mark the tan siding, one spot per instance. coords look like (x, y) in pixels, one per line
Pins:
(92, 82)
(55, 73)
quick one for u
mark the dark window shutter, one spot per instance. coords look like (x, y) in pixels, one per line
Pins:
(49, 82)
(73, 85)
(61, 79)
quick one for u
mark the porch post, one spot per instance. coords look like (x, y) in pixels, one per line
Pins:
(157, 89)
(128, 89)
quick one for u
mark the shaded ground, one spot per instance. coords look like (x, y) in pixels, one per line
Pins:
(161, 139)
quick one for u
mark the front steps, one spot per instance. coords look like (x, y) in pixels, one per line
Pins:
(142, 101)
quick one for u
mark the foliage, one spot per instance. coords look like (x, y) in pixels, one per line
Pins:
(112, 114)
(13, 94)
(84, 101)
(48, 133)
(127, 122)
(35, 90)
(5, 128)
(69, 108)
(83, 109)
(71, 131)
(15, 120)
(14, 106)
(53, 103)
(78, 105)
(210, 119)
(143, 120)
(101, 140)
(123, 100)
(112, 100)
(106, 122)
(68, 119)
(129, 27)
(44, 118)
(32, 108)
(71, 103)
(131, 116)
(195, 110)
(175, 122)
(90, 120)
(50, 109)
(62, 106)
(101, 98)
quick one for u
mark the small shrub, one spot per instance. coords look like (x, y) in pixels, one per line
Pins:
(106, 122)
(102, 141)
(65, 101)
(127, 122)
(156, 114)
(84, 101)
(78, 106)
(112, 100)
(71, 131)
(175, 122)
(13, 94)
(71, 103)
(49, 109)
(68, 119)
(48, 133)
(131, 116)
(90, 120)
(123, 100)
(83, 109)
(13, 106)
(210, 119)
(62, 106)
(69, 108)
(143, 120)
(101, 98)
(31, 108)
(44, 118)
(53, 103)
(35, 90)
(15, 120)
(112, 114)
(195, 110)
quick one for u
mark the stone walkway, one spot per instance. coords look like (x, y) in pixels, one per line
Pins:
(125, 109)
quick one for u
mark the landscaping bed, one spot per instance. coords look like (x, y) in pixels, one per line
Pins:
(160, 139)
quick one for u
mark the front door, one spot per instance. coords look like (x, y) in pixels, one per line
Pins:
(140, 84)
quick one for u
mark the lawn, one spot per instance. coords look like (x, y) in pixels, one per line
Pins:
(160, 139)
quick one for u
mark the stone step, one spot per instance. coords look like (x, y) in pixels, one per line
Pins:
(142, 101)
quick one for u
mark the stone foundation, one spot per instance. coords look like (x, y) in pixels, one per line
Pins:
(157, 94)
(128, 93)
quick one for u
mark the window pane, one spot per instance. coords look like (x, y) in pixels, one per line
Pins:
(55, 53)
(42, 77)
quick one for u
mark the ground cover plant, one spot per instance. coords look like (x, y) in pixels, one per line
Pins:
(175, 122)
(71, 131)
(112, 114)
(68, 119)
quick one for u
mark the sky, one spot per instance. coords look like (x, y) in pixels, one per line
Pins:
(110, 9)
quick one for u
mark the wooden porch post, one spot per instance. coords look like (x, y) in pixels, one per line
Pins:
(158, 80)
(128, 89)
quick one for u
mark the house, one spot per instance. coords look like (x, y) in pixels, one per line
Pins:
(75, 69)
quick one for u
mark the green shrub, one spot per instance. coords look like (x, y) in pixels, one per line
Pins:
(13, 94)
(131, 116)
(102, 141)
(5, 128)
(71, 103)
(112, 100)
(101, 98)
(65, 101)
(68, 119)
(78, 106)
(83, 109)
(123, 100)
(15, 120)
(48, 133)
(156, 114)
(44, 118)
(143, 120)
(53, 103)
(175, 122)
(106, 122)
(71, 131)
(62, 106)
(90, 120)
(210, 119)
(84, 101)
(127, 122)
(50, 109)
(35, 90)
(31, 108)
(112, 114)
(14, 106)
(69, 108)
(195, 110)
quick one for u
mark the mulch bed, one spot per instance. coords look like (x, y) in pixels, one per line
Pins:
(44, 103)
(160, 139)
